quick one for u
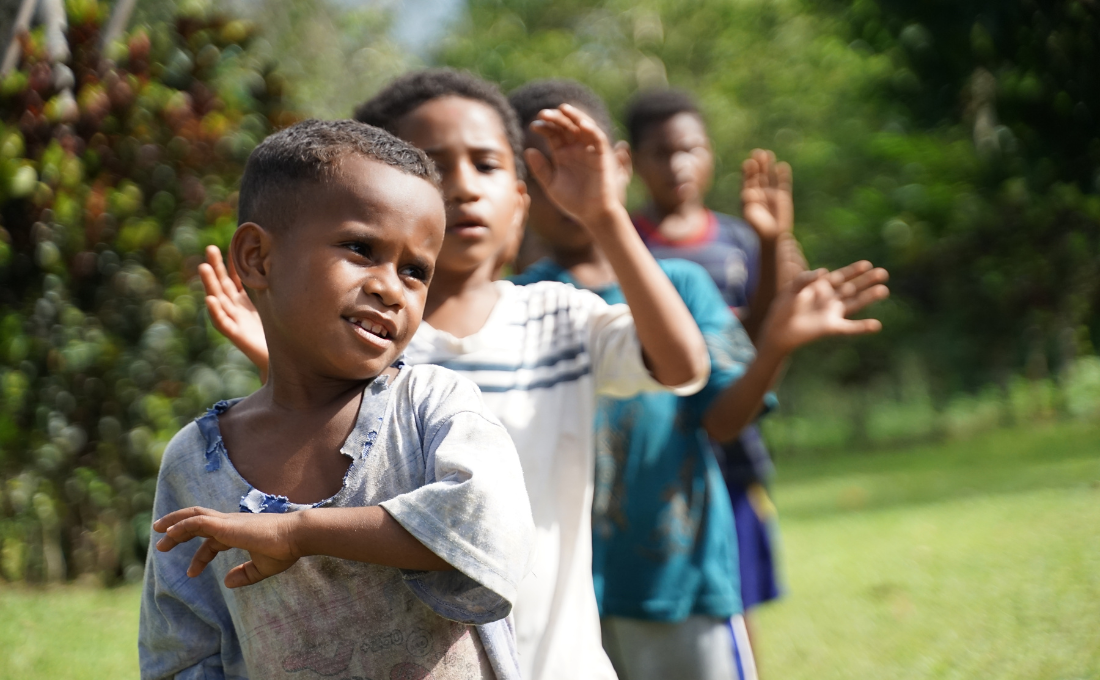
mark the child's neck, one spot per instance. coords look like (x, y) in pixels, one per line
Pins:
(587, 264)
(681, 223)
(460, 302)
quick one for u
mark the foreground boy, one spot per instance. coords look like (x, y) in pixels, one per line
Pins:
(540, 354)
(400, 475)
(665, 556)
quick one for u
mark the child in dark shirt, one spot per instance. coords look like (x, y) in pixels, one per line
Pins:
(749, 261)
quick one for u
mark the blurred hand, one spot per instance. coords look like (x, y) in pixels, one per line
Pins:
(581, 175)
(231, 310)
(267, 537)
(817, 303)
(766, 200)
(790, 260)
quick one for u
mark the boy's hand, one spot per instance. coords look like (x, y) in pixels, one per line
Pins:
(231, 310)
(766, 200)
(268, 538)
(580, 175)
(817, 303)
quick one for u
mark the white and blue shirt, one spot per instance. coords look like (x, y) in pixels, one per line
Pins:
(544, 354)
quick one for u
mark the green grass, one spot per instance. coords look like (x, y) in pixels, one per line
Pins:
(68, 633)
(970, 559)
(977, 559)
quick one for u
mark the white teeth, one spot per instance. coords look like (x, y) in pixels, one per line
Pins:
(372, 328)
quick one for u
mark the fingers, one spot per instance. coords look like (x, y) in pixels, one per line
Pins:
(806, 278)
(865, 298)
(539, 165)
(210, 280)
(862, 282)
(205, 555)
(841, 276)
(765, 160)
(199, 526)
(569, 125)
(218, 315)
(857, 327)
(227, 280)
(164, 523)
(784, 178)
(243, 575)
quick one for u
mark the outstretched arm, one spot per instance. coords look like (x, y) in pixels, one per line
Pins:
(814, 306)
(580, 177)
(276, 541)
(231, 310)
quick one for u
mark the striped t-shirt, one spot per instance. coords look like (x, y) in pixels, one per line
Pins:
(541, 358)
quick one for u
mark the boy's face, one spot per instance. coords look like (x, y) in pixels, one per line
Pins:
(342, 290)
(675, 161)
(486, 202)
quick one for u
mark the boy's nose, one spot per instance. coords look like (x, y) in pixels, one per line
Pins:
(385, 284)
(461, 185)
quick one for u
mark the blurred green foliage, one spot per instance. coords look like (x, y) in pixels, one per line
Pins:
(955, 143)
(108, 195)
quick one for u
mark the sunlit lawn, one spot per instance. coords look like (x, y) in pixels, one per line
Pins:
(976, 559)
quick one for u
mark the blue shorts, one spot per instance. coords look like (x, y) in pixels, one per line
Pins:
(755, 550)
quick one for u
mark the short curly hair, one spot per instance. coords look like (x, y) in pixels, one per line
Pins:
(537, 95)
(310, 153)
(654, 107)
(403, 95)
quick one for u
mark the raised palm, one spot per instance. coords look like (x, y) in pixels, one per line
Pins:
(766, 200)
(231, 310)
(579, 176)
(817, 305)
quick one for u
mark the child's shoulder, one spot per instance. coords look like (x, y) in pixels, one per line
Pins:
(436, 392)
(187, 448)
(543, 298)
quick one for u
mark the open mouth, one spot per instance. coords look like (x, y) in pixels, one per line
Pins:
(366, 327)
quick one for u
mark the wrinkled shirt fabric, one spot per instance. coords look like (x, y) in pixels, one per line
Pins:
(425, 448)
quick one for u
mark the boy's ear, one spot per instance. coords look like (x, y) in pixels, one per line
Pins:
(626, 160)
(522, 206)
(250, 252)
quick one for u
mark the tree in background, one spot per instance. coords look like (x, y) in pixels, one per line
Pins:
(955, 143)
(107, 199)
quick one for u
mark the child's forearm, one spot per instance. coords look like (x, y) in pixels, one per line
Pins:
(673, 346)
(766, 286)
(740, 403)
(362, 534)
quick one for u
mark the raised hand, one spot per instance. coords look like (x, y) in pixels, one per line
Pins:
(766, 200)
(816, 305)
(580, 176)
(231, 310)
(859, 284)
(266, 537)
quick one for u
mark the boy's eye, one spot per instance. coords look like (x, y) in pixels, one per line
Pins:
(415, 272)
(487, 166)
(360, 249)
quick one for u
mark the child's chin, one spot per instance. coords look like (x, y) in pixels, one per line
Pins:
(464, 253)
